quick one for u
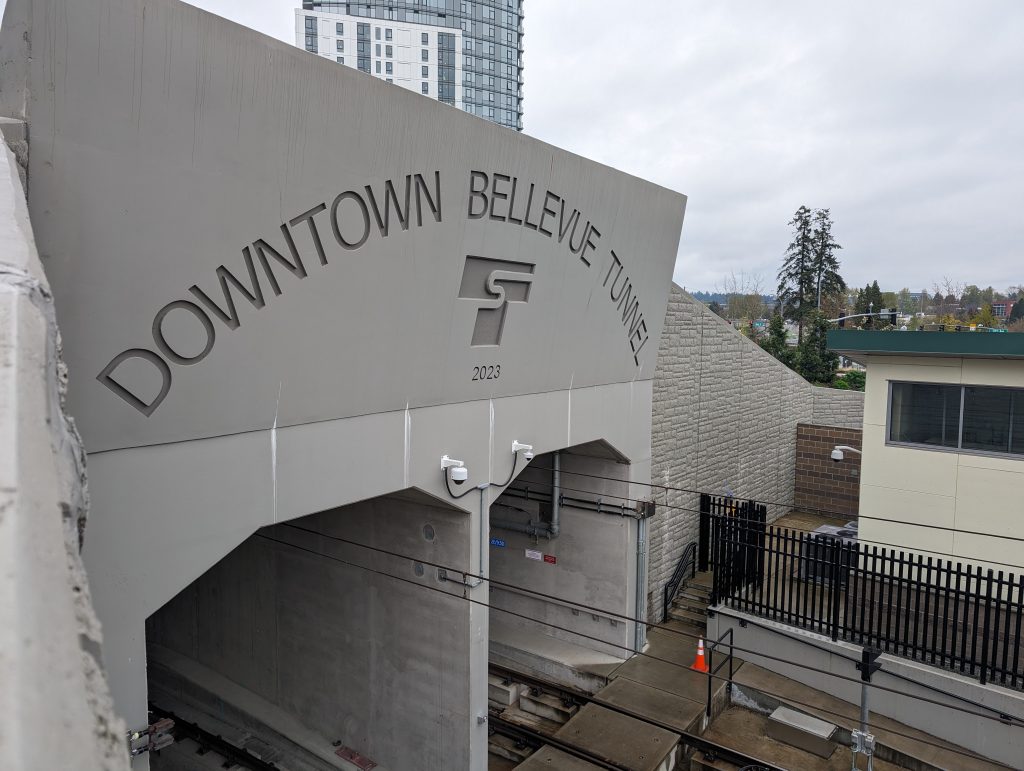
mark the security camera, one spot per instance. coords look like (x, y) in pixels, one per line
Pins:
(839, 450)
(455, 469)
(525, 449)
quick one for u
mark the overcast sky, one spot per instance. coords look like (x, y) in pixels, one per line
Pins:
(905, 118)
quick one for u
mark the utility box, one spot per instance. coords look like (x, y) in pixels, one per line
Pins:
(802, 731)
(819, 553)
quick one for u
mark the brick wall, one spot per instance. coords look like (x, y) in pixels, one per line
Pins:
(724, 421)
(822, 484)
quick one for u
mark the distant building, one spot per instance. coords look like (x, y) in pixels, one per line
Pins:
(466, 53)
(1002, 309)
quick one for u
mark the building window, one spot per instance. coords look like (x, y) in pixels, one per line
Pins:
(424, 55)
(377, 67)
(388, 33)
(339, 28)
(387, 51)
(389, 68)
(311, 25)
(425, 38)
(341, 60)
(424, 88)
(971, 418)
(376, 33)
(424, 71)
(311, 43)
(468, 62)
(341, 45)
(377, 48)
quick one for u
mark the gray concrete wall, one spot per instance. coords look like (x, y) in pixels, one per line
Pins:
(54, 698)
(380, 663)
(724, 421)
(988, 737)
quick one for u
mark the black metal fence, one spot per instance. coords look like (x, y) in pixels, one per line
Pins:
(952, 615)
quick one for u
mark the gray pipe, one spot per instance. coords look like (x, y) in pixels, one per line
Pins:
(556, 495)
(537, 530)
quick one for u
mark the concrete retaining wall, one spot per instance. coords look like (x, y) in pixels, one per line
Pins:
(724, 421)
(53, 694)
(988, 737)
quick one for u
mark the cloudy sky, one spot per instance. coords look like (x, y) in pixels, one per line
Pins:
(906, 118)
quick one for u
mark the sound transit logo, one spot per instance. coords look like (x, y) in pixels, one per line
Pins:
(497, 283)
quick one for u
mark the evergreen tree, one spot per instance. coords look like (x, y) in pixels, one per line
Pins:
(775, 341)
(1017, 312)
(824, 263)
(814, 360)
(869, 300)
(796, 277)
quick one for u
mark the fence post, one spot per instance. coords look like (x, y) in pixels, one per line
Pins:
(985, 629)
(833, 588)
(704, 532)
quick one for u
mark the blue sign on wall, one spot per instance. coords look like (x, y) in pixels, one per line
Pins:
(498, 542)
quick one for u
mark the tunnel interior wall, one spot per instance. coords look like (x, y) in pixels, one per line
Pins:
(591, 562)
(380, 663)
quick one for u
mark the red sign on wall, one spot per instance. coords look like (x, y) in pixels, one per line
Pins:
(549, 558)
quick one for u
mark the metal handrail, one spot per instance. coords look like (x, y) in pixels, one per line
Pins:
(687, 558)
(713, 670)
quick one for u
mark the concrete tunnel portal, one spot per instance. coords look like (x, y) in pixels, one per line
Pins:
(354, 627)
(269, 349)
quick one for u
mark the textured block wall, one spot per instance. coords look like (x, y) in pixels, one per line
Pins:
(724, 421)
(821, 484)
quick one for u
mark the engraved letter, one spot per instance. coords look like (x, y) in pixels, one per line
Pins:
(307, 217)
(230, 317)
(384, 225)
(435, 206)
(350, 245)
(165, 347)
(474, 193)
(106, 378)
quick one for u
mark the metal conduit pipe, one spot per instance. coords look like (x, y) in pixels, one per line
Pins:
(556, 494)
(537, 530)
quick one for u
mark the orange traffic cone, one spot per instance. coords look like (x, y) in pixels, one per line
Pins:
(699, 663)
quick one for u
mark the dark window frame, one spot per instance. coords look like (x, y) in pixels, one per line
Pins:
(1017, 397)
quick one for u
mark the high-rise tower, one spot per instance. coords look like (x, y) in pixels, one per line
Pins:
(466, 53)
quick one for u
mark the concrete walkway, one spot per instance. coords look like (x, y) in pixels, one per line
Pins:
(916, 744)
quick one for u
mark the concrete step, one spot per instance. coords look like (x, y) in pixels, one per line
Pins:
(546, 706)
(691, 604)
(696, 620)
(508, 748)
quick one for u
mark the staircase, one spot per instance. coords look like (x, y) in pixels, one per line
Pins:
(690, 605)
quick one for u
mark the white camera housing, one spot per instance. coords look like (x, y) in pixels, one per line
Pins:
(525, 449)
(455, 469)
(837, 455)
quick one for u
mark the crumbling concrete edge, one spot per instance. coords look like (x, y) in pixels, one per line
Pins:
(86, 699)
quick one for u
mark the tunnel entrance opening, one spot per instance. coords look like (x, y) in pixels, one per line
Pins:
(566, 559)
(328, 634)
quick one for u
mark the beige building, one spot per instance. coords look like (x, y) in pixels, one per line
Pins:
(943, 452)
